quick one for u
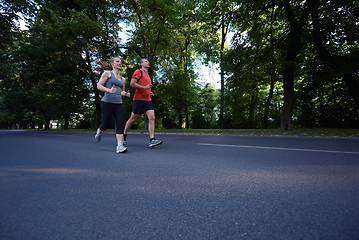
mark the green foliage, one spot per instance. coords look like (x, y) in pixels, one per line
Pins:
(51, 70)
(311, 46)
(204, 115)
(257, 62)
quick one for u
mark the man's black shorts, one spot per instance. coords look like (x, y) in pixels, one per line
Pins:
(140, 104)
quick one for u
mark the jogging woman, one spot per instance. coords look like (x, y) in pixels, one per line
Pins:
(113, 85)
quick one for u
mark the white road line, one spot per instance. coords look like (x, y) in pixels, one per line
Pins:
(276, 148)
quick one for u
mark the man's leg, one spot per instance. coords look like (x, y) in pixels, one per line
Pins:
(130, 121)
(151, 129)
(151, 123)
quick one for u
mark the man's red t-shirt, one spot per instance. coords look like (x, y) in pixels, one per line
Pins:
(142, 94)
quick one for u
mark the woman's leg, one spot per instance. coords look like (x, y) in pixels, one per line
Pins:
(107, 110)
(119, 117)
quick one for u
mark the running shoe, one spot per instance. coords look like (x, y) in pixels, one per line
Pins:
(154, 142)
(121, 149)
(98, 135)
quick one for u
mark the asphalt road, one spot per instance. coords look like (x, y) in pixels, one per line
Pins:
(64, 185)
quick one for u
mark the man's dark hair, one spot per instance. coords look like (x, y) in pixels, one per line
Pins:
(141, 61)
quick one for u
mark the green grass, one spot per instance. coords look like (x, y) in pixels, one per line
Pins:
(330, 132)
(315, 132)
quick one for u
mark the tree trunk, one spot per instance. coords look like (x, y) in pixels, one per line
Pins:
(146, 49)
(186, 82)
(352, 83)
(268, 102)
(287, 109)
(223, 40)
(66, 125)
(273, 79)
(47, 124)
(97, 120)
(293, 47)
(186, 108)
(221, 112)
(97, 113)
(251, 123)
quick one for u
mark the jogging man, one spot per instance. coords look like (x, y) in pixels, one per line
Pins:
(141, 81)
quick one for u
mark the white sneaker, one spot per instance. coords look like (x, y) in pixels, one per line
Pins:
(98, 135)
(121, 149)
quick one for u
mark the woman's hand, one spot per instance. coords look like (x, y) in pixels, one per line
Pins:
(113, 89)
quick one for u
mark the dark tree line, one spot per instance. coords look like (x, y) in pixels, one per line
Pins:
(289, 63)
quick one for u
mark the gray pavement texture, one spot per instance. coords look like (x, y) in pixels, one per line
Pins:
(64, 185)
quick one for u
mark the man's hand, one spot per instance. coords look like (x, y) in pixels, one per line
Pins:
(128, 94)
(148, 86)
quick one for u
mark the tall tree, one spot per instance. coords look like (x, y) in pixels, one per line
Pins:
(280, 45)
(107, 44)
(335, 36)
(151, 20)
(162, 34)
(297, 15)
(53, 63)
(253, 65)
(216, 20)
(10, 13)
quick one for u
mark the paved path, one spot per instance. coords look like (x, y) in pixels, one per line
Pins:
(66, 186)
